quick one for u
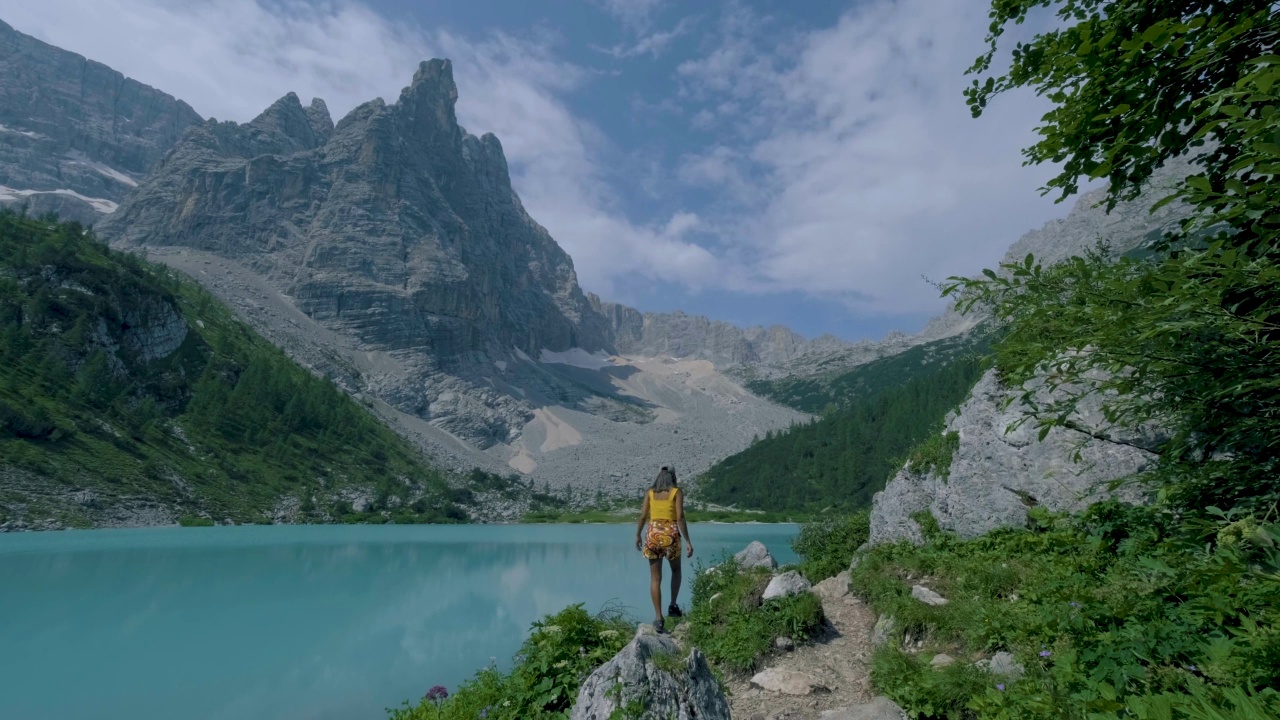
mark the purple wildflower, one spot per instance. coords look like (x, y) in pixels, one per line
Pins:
(436, 693)
(1045, 653)
(484, 713)
(1000, 687)
(1074, 604)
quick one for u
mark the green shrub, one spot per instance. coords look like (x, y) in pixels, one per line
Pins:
(233, 416)
(560, 653)
(1117, 612)
(826, 546)
(935, 454)
(195, 521)
(736, 630)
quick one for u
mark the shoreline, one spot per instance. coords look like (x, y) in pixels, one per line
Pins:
(567, 522)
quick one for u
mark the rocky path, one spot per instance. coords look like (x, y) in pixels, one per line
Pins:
(828, 679)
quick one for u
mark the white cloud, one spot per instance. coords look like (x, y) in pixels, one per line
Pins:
(653, 44)
(844, 161)
(635, 14)
(232, 58)
(858, 141)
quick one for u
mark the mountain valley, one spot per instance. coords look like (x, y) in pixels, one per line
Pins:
(389, 253)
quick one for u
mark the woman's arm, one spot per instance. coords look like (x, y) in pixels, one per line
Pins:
(684, 527)
(644, 517)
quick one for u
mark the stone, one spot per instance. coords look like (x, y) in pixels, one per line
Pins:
(787, 682)
(857, 557)
(1003, 664)
(927, 596)
(880, 708)
(755, 555)
(784, 644)
(632, 675)
(833, 588)
(884, 629)
(941, 660)
(785, 585)
(715, 597)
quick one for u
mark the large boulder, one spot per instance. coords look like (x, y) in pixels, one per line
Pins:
(633, 676)
(998, 473)
(755, 555)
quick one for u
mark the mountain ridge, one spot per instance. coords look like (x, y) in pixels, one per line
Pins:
(75, 135)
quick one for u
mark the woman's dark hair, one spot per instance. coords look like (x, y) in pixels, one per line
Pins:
(665, 481)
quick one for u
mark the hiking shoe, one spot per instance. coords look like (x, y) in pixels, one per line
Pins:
(659, 626)
(674, 611)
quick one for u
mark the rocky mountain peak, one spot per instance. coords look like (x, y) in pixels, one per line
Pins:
(321, 120)
(396, 229)
(286, 127)
(426, 107)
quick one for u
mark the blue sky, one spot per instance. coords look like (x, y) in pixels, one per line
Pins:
(801, 163)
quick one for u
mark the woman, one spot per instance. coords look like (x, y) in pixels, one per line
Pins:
(664, 511)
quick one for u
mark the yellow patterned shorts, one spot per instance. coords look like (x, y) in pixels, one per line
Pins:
(662, 541)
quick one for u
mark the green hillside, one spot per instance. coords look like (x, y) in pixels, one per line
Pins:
(105, 406)
(876, 414)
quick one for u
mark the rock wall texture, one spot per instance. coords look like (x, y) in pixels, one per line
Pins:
(393, 227)
(996, 476)
(693, 336)
(75, 135)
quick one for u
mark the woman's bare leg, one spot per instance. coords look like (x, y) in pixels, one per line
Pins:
(655, 587)
(675, 579)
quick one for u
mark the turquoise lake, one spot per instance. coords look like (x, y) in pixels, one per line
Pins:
(294, 622)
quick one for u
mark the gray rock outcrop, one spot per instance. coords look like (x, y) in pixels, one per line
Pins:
(755, 555)
(785, 585)
(996, 476)
(632, 677)
(75, 135)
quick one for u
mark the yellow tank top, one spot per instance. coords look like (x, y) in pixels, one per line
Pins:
(663, 509)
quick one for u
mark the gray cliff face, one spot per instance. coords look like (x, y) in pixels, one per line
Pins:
(996, 476)
(75, 135)
(395, 226)
(1128, 226)
(389, 252)
(695, 337)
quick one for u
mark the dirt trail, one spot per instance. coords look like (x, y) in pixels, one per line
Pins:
(837, 663)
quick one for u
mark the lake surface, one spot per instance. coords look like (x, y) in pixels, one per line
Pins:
(293, 622)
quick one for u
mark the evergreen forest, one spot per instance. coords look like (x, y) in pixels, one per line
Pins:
(124, 387)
